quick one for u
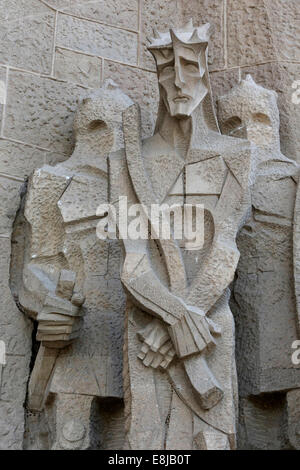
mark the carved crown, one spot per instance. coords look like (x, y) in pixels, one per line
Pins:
(187, 34)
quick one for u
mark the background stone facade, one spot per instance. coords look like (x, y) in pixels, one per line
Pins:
(52, 52)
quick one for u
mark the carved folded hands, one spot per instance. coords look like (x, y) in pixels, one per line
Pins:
(60, 319)
(190, 335)
(193, 332)
(157, 349)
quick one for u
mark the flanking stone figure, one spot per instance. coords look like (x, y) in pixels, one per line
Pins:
(74, 384)
(173, 313)
(263, 301)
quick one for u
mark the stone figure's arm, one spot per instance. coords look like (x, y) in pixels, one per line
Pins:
(147, 290)
(232, 210)
(188, 327)
(48, 288)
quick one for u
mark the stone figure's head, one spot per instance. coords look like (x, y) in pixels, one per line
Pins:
(98, 120)
(181, 60)
(250, 111)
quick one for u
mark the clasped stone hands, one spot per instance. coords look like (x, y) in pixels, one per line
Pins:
(191, 334)
(60, 320)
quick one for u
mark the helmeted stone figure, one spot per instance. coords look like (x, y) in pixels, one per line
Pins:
(63, 266)
(179, 360)
(264, 301)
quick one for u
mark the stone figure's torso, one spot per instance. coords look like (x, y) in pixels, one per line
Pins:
(266, 268)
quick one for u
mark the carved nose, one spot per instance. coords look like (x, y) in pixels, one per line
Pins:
(179, 81)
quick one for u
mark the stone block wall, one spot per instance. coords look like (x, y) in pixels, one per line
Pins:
(52, 52)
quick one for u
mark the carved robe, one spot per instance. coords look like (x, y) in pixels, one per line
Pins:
(163, 407)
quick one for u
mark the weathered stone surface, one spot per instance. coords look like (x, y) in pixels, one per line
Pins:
(66, 198)
(263, 423)
(2, 91)
(78, 68)
(142, 88)
(169, 317)
(40, 111)
(284, 21)
(263, 298)
(250, 38)
(15, 328)
(293, 417)
(280, 77)
(19, 160)
(262, 30)
(155, 14)
(222, 82)
(11, 436)
(118, 13)
(26, 37)
(10, 200)
(14, 378)
(52, 158)
(208, 11)
(15, 331)
(96, 39)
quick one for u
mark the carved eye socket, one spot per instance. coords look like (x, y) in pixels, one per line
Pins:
(234, 128)
(167, 72)
(97, 124)
(192, 69)
(262, 118)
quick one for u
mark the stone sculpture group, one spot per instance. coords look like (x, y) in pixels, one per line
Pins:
(149, 321)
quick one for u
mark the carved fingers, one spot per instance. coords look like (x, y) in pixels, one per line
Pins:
(60, 319)
(193, 333)
(157, 349)
(61, 333)
(157, 359)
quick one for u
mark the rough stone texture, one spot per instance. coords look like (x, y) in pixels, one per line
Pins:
(142, 88)
(77, 68)
(61, 269)
(250, 39)
(26, 37)
(40, 111)
(15, 327)
(15, 330)
(155, 14)
(20, 160)
(222, 82)
(118, 13)
(280, 77)
(168, 343)
(10, 198)
(208, 11)
(263, 423)
(267, 321)
(160, 14)
(284, 20)
(293, 413)
(11, 436)
(262, 30)
(100, 40)
(2, 91)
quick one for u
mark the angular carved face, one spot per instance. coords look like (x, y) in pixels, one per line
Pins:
(181, 70)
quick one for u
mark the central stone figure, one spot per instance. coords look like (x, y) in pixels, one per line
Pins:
(179, 359)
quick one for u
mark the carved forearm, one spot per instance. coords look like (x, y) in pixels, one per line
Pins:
(148, 292)
(215, 276)
(187, 326)
(36, 283)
